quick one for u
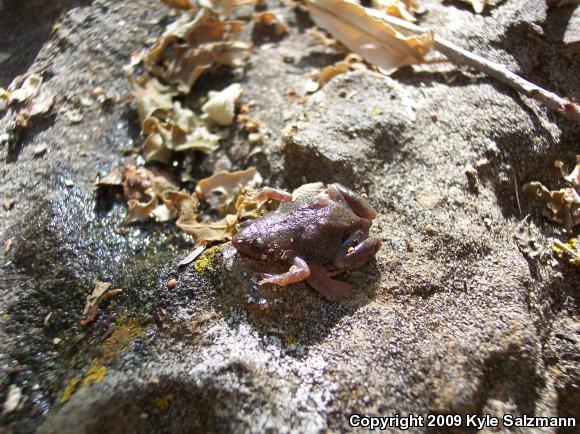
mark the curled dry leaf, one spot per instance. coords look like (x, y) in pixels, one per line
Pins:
(222, 189)
(179, 129)
(34, 108)
(224, 193)
(375, 40)
(574, 177)
(269, 24)
(562, 206)
(21, 91)
(351, 62)
(397, 8)
(149, 192)
(221, 105)
(99, 294)
(193, 44)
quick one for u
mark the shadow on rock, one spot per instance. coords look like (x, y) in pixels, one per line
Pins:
(296, 314)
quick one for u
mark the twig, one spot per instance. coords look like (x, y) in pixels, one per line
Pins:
(567, 249)
(463, 57)
(517, 194)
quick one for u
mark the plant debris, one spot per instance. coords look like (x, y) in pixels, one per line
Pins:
(372, 38)
(99, 294)
(570, 247)
(397, 8)
(352, 62)
(22, 89)
(268, 24)
(221, 105)
(13, 398)
(477, 5)
(192, 256)
(561, 206)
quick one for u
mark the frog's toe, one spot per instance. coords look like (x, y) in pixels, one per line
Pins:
(297, 273)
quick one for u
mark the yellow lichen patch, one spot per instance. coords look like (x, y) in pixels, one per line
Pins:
(97, 373)
(125, 332)
(291, 340)
(568, 248)
(70, 389)
(205, 262)
(163, 402)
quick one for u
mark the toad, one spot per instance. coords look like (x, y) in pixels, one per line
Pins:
(321, 234)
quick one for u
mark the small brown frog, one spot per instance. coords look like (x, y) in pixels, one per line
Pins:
(322, 234)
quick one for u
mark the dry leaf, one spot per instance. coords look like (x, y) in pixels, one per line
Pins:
(192, 256)
(396, 8)
(574, 177)
(221, 105)
(193, 44)
(222, 7)
(26, 90)
(36, 107)
(177, 130)
(12, 399)
(206, 231)
(477, 5)
(269, 24)
(361, 32)
(99, 294)
(222, 189)
(179, 4)
(210, 231)
(562, 206)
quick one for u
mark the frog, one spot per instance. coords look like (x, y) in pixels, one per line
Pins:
(319, 235)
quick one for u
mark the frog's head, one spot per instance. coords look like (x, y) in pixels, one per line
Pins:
(250, 241)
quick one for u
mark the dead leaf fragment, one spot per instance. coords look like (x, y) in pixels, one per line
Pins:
(477, 5)
(574, 176)
(397, 8)
(12, 399)
(222, 189)
(26, 90)
(269, 24)
(99, 294)
(179, 4)
(192, 256)
(561, 206)
(363, 33)
(221, 105)
(8, 204)
(193, 44)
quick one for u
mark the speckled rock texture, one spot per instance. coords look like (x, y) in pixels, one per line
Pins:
(451, 317)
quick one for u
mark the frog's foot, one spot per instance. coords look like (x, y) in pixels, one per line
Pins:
(276, 194)
(332, 290)
(356, 250)
(297, 273)
(350, 199)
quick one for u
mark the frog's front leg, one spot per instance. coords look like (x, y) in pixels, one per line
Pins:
(350, 199)
(356, 250)
(297, 273)
(276, 194)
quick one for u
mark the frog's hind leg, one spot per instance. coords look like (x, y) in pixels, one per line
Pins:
(350, 199)
(332, 290)
(356, 250)
(297, 273)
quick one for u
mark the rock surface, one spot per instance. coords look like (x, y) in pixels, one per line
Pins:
(451, 318)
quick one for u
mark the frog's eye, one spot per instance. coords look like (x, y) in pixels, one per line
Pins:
(257, 245)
